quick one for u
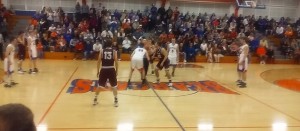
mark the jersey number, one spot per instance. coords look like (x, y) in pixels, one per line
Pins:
(107, 55)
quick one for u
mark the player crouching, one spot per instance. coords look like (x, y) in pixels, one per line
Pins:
(163, 62)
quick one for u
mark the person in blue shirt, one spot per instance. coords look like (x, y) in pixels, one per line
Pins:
(68, 36)
(190, 52)
(88, 50)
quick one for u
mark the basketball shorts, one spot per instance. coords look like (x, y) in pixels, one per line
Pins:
(8, 67)
(137, 63)
(165, 64)
(108, 74)
(243, 66)
(33, 53)
(173, 60)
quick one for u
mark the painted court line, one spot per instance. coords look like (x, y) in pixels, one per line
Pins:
(57, 96)
(108, 128)
(218, 127)
(257, 100)
(165, 105)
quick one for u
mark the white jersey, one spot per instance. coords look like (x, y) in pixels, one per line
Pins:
(172, 50)
(139, 53)
(9, 61)
(32, 46)
(243, 58)
(244, 50)
(12, 53)
(31, 42)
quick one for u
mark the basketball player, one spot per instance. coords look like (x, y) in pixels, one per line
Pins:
(148, 61)
(151, 51)
(108, 63)
(21, 51)
(242, 62)
(32, 51)
(163, 62)
(173, 55)
(137, 62)
(9, 63)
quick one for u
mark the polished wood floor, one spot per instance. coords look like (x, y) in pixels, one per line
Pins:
(262, 106)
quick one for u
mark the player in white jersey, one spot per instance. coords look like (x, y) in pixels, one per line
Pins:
(173, 54)
(242, 62)
(9, 63)
(137, 62)
(32, 51)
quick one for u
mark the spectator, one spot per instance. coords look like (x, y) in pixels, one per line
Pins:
(279, 31)
(77, 12)
(126, 45)
(52, 28)
(289, 32)
(88, 50)
(137, 35)
(217, 53)
(106, 34)
(209, 53)
(96, 49)
(40, 49)
(182, 54)
(270, 55)
(120, 36)
(85, 9)
(190, 53)
(56, 18)
(68, 37)
(203, 48)
(61, 44)
(113, 25)
(116, 48)
(73, 43)
(16, 117)
(79, 47)
(262, 54)
(88, 36)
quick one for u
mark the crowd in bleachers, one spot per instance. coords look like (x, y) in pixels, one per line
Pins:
(4, 14)
(197, 34)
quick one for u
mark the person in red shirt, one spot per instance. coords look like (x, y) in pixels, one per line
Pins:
(79, 49)
(171, 36)
(233, 34)
(61, 44)
(215, 23)
(40, 48)
(163, 37)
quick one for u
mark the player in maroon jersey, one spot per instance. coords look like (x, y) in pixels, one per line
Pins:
(108, 65)
(163, 62)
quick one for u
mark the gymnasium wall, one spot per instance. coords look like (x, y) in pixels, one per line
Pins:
(275, 9)
(68, 5)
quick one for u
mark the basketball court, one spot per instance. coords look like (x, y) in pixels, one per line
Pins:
(204, 97)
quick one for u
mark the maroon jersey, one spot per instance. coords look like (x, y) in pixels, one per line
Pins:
(159, 54)
(108, 71)
(161, 57)
(108, 57)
